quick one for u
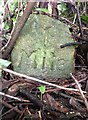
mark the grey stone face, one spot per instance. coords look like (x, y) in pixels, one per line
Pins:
(37, 51)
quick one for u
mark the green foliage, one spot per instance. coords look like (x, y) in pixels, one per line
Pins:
(14, 19)
(79, 1)
(3, 64)
(7, 26)
(84, 18)
(62, 8)
(42, 10)
(42, 89)
(13, 5)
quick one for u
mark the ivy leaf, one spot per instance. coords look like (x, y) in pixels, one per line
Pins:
(62, 7)
(42, 89)
(4, 63)
(42, 10)
(7, 26)
(84, 18)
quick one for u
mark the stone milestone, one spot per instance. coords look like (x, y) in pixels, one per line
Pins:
(37, 51)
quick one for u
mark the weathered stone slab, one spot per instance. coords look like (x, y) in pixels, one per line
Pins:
(37, 51)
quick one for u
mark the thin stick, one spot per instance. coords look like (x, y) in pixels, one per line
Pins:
(10, 106)
(3, 48)
(9, 96)
(38, 80)
(78, 15)
(79, 19)
(80, 90)
(18, 28)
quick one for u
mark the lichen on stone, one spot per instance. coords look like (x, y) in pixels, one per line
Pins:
(37, 51)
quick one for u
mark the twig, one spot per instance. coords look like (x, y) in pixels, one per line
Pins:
(7, 2)
(38, 103)
(8, 113)
(9, 96)
(70, 84)
(23, 112)
(69, 97)
(18, 28)
(80, 90)
(38, 80)
(3, 48)
(10, 106)
(78, 15)
(72, 24)
(80, 25)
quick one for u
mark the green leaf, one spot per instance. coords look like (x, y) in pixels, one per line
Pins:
(14, 19)
(84, 18)
(62, 7)
(42, 10)
(79, 2)
(4, 63)
(42, 89)
(7, 26)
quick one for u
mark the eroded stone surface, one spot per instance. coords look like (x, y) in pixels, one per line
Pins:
(37, 51)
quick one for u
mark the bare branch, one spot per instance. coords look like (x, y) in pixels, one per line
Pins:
(80, 90)
(38, 80)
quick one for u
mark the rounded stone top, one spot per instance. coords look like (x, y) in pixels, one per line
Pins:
(37, 51)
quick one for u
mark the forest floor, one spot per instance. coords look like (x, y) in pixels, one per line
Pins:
(63, 99)
(25, 99)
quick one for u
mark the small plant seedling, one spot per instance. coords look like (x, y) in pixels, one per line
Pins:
(42, 90)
